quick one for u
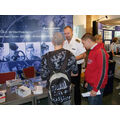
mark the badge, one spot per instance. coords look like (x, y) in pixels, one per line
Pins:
(73, 49)
(77, 40)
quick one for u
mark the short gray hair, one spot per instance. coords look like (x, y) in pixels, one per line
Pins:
(58, 38)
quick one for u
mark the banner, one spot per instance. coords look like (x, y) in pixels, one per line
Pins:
(25, 38)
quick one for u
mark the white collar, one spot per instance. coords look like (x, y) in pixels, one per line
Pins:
(70, 41)
(93, 46)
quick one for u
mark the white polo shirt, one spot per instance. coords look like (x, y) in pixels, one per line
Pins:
(76, 47)
(113, 47)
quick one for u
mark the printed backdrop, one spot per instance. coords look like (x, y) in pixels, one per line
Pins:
(25, 38)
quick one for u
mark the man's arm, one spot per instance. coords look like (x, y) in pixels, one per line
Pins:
(44, 72)
(73, 65)
(102, 69)
(112, 52)
(81, 56)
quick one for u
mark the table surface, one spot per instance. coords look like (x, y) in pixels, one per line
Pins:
(14, 99)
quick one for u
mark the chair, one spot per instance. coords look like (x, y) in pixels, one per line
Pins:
(7, 76)
(29, 72)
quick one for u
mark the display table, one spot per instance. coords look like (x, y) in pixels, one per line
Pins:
(14, 99)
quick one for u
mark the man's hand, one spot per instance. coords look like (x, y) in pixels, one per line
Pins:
(93, 93)
(74, 75)
(81, 56)
(86, 85)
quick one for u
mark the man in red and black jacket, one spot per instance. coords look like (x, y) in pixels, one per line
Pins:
(96, 74)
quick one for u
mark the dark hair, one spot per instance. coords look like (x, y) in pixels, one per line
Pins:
(68, 27)
(115, 39)
(88, 36)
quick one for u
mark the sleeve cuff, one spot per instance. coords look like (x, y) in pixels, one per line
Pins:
(74, 72)
(95, 89)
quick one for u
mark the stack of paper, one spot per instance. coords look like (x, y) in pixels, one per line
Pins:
(2, 96)
(87, 94)
(38, 90)
(14, 82)
(23, 91)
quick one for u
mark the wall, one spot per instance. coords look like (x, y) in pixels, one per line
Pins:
(79, 25)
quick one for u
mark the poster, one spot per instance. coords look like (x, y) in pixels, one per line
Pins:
(25, 38)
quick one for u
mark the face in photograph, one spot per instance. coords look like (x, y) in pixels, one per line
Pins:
(33, 51)
(46, 47)
(17, 51)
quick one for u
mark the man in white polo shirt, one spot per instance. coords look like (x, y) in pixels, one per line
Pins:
(76, 47)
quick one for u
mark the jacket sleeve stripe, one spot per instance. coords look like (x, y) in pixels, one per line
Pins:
(103, 70)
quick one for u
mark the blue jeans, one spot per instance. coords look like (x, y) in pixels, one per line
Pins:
(95, 100)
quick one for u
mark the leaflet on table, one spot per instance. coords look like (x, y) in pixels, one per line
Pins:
(23, 91)
(36, 79)
(2, 96)
(38, 90)
(43, 83)
(14, 82)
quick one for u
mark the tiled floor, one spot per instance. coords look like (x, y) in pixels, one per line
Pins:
(110, 99)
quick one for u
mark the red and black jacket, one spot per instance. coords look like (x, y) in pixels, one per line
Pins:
(96, 73)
